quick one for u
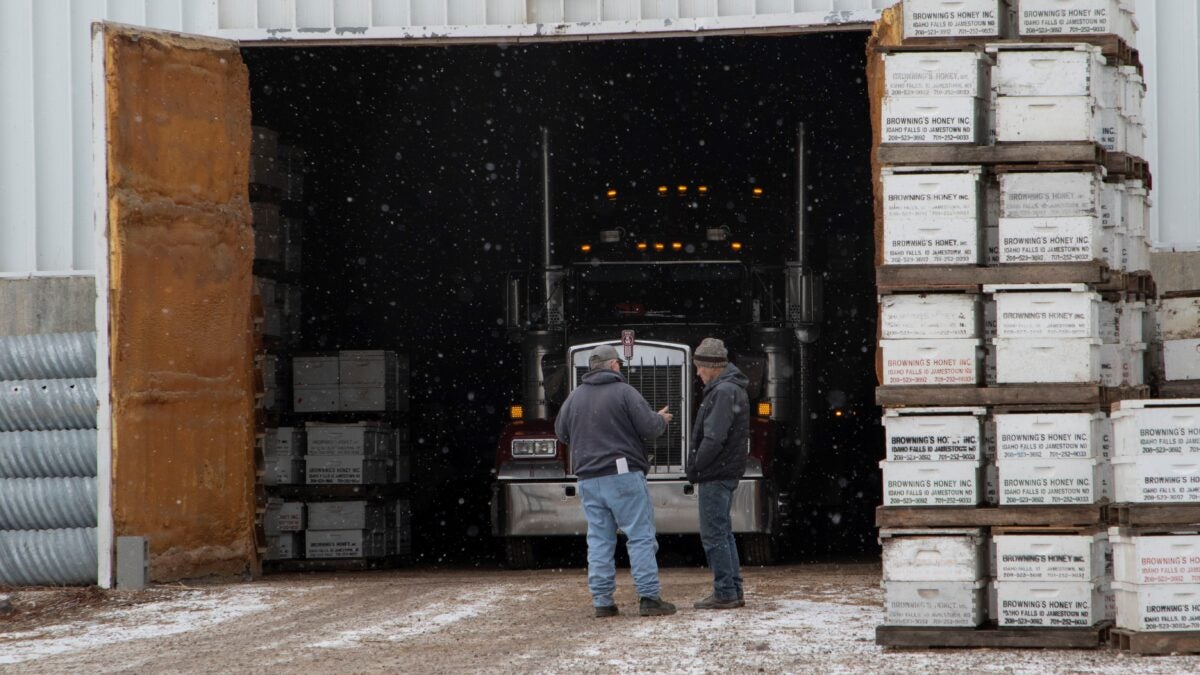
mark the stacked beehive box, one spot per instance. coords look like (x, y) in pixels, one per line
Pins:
(371, 380)
(276, 193)
(1012, 226)
(1178, 326)
(349, 449)
(935, 578)
(1156, 540)
(283, 523)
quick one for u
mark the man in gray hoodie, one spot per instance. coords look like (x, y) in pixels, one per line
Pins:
(604, 421)
(716, 462)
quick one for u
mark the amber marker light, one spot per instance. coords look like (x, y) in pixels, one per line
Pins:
(758, 192)
(682, 189)
(737, 246)
(838, 413)
(677, 245)
(611, 193)
(516, 412)
(662, 190)
(703, 190)
(658, 246)
(585, 248)
(641, 246)
(764, 409)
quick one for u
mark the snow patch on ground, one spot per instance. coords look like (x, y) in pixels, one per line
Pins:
(191, 610)
(429, 620)
(769, 635)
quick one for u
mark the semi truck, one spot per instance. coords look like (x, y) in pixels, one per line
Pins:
(653, 269)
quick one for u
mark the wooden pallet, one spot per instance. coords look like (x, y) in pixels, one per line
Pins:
(335, 564)
(1076, 154)
(358, 492)
(1069, 515)
(1179, 389)
(1147, 517)
(971, 279)
(1137, 642)
(1114, 48)
(1091, 637)
(1095, 395)
(1067, 530)
(274, 270)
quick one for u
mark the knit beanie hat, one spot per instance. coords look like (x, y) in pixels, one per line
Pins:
(711, 354)
(602, 355)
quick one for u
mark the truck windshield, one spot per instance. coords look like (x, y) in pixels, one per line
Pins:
(666, 292)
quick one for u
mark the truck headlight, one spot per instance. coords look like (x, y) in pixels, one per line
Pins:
(533, 447)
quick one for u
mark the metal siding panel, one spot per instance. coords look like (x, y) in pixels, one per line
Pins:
(428, 12)
(352, 13)
(18, 216)
(314, 14)
(581, 10)
(548, 11)
(390, 13)
(466, 12)
(1173, 106)
(237, 14)
(165, 14)
(52, 118)
(508, 11)
(127, 11)
(621, 10)
(276, 14)
(79, 33)
(200, 16)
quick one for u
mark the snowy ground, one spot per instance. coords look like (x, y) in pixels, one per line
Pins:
(804, 618)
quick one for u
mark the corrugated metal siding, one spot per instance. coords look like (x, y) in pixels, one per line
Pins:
(48, 505)
(45, 75)
(1169, 41)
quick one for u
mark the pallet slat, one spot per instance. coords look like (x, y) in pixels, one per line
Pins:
(991, 516)
(1185, 642)
(1080, 153)
(969, 278)
(1006, 395)
(1052, 638)
(1153, 515)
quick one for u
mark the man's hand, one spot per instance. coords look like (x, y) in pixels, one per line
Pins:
(666, 415)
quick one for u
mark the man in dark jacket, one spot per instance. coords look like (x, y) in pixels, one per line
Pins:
(604, 421)
(716, 462)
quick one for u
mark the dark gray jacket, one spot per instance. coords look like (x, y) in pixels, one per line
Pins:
(603, 420)
(722, 426)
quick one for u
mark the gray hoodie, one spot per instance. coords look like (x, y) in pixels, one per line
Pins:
(604, 420)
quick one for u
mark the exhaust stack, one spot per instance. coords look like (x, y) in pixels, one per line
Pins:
(803, 287)
(552, 275)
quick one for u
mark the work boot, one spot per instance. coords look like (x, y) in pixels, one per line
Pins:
(655, 607)
(605, 612)
(741, 599)
(711, 602)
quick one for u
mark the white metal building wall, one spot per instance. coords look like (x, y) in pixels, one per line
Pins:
(45, 115)
(1169, 41)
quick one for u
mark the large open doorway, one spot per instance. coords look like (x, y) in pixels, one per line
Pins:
(424, 190)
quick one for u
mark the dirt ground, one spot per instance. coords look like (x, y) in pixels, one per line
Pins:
(798, 618)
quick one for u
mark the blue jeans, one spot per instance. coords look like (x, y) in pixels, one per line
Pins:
(619, 501)
(716, 534)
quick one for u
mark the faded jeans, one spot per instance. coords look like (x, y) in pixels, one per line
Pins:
(716, 534)
(619, 501)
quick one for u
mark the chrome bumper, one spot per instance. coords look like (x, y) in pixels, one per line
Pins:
(547, 509)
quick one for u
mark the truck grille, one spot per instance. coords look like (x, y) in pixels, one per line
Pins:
(661, 385)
